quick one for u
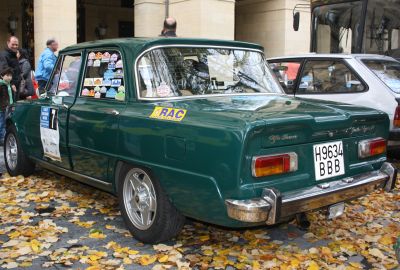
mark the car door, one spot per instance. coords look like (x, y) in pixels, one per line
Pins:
(47, 119)
(93, 122)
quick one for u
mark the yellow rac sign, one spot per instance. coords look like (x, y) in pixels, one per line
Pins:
(171, 114)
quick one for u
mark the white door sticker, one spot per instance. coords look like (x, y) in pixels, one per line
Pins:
(49, 133)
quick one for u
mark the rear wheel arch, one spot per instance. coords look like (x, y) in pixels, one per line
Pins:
(121, 165)
(166, 222)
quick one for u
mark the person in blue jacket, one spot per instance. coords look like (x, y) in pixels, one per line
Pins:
(45, 65)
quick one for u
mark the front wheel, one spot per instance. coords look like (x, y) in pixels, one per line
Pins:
(17, 163)
(146, 209)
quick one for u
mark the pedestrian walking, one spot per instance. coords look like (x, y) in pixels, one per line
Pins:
(26, 88)
(169, 29)
(45, 65)
(8, 59)
(6, 98)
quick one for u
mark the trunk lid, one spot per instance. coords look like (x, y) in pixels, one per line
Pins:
(280, 120)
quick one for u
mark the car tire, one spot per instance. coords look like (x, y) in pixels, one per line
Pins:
(17, 163)
(145, 208)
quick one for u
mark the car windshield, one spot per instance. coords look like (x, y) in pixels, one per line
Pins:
(181, 71)
(388, 71)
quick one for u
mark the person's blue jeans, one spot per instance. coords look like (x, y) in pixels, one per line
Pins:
(2, 126)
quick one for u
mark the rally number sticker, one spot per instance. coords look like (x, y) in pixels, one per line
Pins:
(171, 114)
(49, 133)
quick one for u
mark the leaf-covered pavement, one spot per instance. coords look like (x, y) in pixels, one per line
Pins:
(48, 221)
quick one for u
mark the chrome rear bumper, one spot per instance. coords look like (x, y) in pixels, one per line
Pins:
(274, 205)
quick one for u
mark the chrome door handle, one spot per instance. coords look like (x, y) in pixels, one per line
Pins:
(110, 111)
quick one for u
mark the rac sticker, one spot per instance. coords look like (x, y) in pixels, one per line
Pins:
(171, 114)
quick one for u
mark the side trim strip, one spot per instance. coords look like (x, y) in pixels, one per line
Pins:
(76, 176)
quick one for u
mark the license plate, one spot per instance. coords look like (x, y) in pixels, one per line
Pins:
(328, 160)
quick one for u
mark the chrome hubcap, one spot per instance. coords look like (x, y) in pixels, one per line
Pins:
(139, 198)
(11, 151)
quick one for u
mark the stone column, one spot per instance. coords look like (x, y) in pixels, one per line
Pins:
(54, 19)
(149, 17)
(270, 23)
(204, 18)
(196, 18)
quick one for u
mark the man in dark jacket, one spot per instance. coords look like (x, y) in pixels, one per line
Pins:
(8, 59)
(169, 29)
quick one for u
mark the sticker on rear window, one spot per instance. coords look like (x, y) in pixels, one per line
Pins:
(171, 114)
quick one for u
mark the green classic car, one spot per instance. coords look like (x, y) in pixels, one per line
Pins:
(195, 128)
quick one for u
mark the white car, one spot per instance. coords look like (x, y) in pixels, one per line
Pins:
(360, 79)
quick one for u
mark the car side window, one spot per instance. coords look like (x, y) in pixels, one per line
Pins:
(286, 72)
(69, 75)
(52, 86)
(104, 76)
(328, 77)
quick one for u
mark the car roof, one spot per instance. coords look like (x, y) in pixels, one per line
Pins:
(334, 55)
(143, 43)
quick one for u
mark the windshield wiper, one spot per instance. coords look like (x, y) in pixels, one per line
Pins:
(247, 77)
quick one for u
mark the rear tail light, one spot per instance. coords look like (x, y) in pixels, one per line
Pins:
(373, 147)
(274, 164)
(396, 120)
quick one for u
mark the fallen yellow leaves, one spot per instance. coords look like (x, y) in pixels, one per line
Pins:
(35, 246)
(204, 238)
(163, 259)
(313, 266)
(97, 235)
(147, 259)
(387, 240)
(32, 209)
(94, 255)
(377, 253)
(85, 224)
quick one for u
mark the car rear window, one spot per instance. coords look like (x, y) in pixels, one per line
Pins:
(176, 72)
(387, 71)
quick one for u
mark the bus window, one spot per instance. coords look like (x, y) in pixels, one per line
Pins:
(382, 24)
(360, 26)
(335, 27)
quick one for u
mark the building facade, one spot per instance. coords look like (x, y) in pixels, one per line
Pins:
(268, 22)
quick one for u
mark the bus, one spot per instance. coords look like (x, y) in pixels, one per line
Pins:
(362, 26)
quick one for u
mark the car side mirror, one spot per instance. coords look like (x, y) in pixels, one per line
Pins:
(296, 21)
